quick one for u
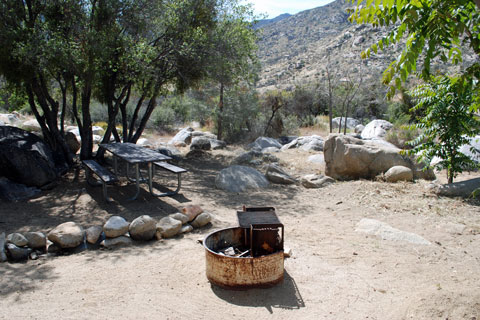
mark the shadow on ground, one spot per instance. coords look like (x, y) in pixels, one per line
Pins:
(285, 295)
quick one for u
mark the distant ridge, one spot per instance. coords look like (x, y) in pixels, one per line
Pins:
(262, 23)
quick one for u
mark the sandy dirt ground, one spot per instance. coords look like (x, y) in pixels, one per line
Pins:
(334, 273)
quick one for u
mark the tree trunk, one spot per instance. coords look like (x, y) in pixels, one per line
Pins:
(220, 114)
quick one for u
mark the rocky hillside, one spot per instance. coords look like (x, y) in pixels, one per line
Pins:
(297, 49)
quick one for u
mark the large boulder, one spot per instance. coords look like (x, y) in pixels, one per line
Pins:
(143, 228)
(201, 220)
(240, 178)
(27, 159)
(67, 235)
(348, 158)
(254, 157)
(182, 138)
(17, 239)
(351, 123)
(31, 125)
(376, 129)
(12, 191)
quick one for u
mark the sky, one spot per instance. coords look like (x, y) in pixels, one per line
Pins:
(274, 8)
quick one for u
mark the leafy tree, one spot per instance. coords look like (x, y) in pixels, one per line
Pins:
(433, 29)
(447, 125)
(232, 51)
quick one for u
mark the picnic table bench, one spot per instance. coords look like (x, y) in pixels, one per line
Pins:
(173, 169)
(106, 177)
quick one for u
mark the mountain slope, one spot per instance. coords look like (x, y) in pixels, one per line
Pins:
(296, 50)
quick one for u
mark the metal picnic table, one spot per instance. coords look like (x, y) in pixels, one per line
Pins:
(136, 155)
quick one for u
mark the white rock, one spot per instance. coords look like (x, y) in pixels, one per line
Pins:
(376, 129)
(183, 218)
(67, 235)
(399, 173)
(201, 220)
(317, 158)
(144, 142)
(115, 226)
(97, 139)
(386, 232)
(121, 241)
(168, 227)
(9, 118)
(315, 181)
(186, 228)
(98, 130)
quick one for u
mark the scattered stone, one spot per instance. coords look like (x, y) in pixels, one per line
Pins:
(72, 142)
(183, 137)
(351, 122)
(462, 189)
(376, 129)
(200, 143)
(201, 220)
(287, 252)
(115, 226)
(93, 234)
(217, 144)
(183, 218)
(31, 125)
(121, 241)
(67, 235)
(204, 134)
(386, 232)
(143, 228)
(264, 142)
(17, 253)
(3, 255)
(36, 240)
(271, 150)
(240, 179)
(96, 138)
(171, 152)
(144, 142)
(17, 239)
(186, 228)
(399, 173)
(167, 227)
(247, 157)
(277, 175)
(11, 191)
(9, 118)
(33, 255)
(317, 158)
(307, 143)
(98, 130)
(192, 211)
(314, 181)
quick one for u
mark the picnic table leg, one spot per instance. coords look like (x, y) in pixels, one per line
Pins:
(115, 164)
(137, 181)
(151, 170)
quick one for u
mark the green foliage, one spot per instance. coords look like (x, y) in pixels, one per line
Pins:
(433, 29)
(448, 123)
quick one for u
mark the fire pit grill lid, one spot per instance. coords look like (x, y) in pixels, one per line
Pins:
(256, 217)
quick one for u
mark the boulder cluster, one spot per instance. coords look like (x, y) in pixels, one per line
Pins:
(72, 237)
